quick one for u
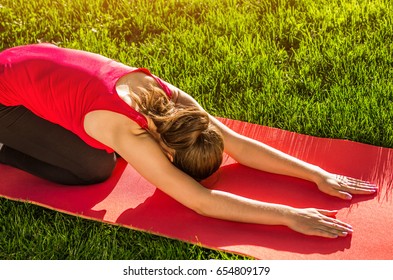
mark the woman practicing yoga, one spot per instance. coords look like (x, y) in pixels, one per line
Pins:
(65, 115)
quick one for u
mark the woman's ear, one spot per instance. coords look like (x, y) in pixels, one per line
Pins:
(170, 157)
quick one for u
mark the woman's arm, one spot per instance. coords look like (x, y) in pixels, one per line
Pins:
(144, 154)
(260, 156)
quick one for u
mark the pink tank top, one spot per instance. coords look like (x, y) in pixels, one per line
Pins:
(63, 85)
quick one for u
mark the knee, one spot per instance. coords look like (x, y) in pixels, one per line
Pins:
(99, 170)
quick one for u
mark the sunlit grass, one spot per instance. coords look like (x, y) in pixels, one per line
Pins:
(320, 67)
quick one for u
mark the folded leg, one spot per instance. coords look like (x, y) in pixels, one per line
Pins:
(49, 151)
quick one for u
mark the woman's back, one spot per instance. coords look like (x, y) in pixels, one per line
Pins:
(63, 85)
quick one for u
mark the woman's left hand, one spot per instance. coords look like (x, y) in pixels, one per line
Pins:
(343, 186)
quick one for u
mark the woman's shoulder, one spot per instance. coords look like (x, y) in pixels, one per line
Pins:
(137, 79)
(143, 78)
(104, 126)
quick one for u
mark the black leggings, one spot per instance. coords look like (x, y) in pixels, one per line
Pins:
(49, 151)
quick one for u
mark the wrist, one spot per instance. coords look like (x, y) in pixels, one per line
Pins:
(318, 174)
(288, 215)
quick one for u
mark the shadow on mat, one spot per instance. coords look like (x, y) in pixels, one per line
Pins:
(159, 214)
(163, 216)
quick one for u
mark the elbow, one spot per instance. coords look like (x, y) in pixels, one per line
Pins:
(204, 207)
(201, 210)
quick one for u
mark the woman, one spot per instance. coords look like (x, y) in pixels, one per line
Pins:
(65, 114)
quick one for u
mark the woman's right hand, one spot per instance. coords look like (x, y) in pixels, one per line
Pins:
(318, 222)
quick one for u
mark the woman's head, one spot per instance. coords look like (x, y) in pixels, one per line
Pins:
(196, 145)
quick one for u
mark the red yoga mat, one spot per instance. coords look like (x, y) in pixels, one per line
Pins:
(127, 199)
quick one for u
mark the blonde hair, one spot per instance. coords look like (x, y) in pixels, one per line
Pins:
(198, 145)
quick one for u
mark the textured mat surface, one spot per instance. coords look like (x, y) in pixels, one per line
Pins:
(128, 200)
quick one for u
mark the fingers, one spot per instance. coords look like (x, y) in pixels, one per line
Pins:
(348, 185)
(335, 229)
(342, 195)
(331, 227)
(335, 191)
(323, 223)
(331, 233)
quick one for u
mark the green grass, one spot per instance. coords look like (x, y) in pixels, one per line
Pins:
(319, 67)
